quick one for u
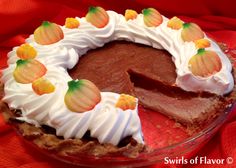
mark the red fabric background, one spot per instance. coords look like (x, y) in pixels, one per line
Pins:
(19, 18)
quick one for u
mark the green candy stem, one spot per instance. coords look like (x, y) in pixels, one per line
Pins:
(186, 25)
(201, 51)
(146, 11)
(46, 23)
(74, 85)
(21, 62)
(92, 9)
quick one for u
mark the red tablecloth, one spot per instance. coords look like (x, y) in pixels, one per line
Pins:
(19, 18)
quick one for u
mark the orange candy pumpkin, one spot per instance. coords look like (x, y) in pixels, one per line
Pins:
(48, 33)
(191, 32)
(205, 63)
(97, 16)
(82, 95)
(151, 17)
(28, 71)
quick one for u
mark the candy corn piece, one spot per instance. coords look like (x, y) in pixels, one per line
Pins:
(126, 102)
(130, 14)
(42, 86)
(26, 51)
(202, 43)
(175, 23)
(72, 23)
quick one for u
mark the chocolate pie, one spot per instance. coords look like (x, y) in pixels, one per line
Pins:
(75, 90)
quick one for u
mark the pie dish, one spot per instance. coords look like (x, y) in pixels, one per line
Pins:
(92, 109)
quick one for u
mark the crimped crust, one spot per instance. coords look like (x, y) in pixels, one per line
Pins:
(45, 138)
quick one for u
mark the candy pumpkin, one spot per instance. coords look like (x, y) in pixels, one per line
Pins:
(29, 70)
(205, 63)
(97, 16)
(82, 95)
(48, 33)
(151, 17)
(191, 32)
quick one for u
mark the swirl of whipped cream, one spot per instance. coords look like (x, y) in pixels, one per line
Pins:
(21, 96)
(77, 42)
(54, 54)
(163, 37)
(105, 122)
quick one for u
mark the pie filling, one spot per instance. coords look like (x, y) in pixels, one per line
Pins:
(149, 74)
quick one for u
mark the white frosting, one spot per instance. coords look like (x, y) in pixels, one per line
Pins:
(161, 37)
(105, 122)
(33, 106)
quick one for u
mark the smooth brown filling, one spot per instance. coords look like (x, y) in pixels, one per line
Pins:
(148, 74)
